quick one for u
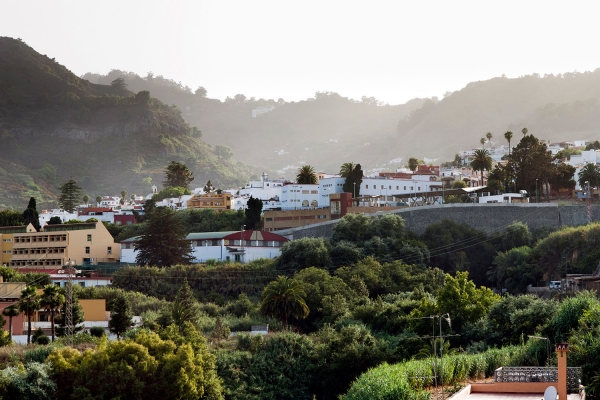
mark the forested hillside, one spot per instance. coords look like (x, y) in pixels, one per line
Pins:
(331, 129)
(55, 125)
(325, 131)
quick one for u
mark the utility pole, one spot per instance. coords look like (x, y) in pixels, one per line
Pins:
(588, 198)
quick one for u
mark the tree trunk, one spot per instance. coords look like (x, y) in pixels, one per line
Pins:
(28, 328)
(52, 323)
(10, 325)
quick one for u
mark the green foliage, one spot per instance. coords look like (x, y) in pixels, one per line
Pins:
(70, 194)
(306, 176)
(78, 319)
(52, 299)
(589, 174)
(171, 192)
(354, 176)
(302, 253)
(120, 316)
(11, 218)
(481, 161)
(284, 298)
(164, 241)
(31, 216)
(29, 382)
(177, 175)
(516, 235)
(97, 331)
(252, 212)
(281, 368)
(29, 302)
(146, 366)
(566, 318)
(407, 380)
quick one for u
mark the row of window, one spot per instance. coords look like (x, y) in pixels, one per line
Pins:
(39, 250)
(35, 263)
(46, 238)
(390, 187)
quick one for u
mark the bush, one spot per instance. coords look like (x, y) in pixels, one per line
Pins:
(97, 331)
(43, 340)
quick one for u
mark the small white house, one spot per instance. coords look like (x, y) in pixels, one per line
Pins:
(240, 246)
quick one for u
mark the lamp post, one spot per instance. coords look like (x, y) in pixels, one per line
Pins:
(537, 199)
(354, 192)
(242, 242)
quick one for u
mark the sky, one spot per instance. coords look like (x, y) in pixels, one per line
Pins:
(392, 50)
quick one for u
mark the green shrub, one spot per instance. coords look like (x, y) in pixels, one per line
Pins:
(97, 331)
(43, 340)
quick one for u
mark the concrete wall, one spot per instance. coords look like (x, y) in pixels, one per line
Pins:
(486, 217)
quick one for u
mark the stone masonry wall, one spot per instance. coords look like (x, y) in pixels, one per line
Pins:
(486, 217)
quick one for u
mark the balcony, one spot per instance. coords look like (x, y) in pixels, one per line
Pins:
(537, 374)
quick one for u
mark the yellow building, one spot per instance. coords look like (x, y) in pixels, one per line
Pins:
(215, 201)
(56, 244)
(7, 240)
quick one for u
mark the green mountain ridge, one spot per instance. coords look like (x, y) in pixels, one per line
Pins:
(105, 137)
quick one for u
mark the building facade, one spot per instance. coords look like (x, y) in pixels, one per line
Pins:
(56, 244)
(215, 201)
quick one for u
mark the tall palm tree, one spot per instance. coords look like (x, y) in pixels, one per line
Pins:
(489, 137)
(29, 302)
(482, 141)
(590, 174)
(98, 200)
(284, 298)
(306, 175)
(10, 312)
(508, 135)
(524, 131)
(481, 161)
(51, 301)
(346, 169)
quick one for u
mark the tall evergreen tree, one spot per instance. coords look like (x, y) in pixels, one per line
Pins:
(253, 212)
(31, 216)
(353, 176)
(70, 194)
(163, 242)
(120, 316)
(177, 175)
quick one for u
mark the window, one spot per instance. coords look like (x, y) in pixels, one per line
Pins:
(366, 186)
(109, 250)
(305, 192)
(89, 238)
(87, 250)
(390, 187)
(314, 192)
(382, 186)
(397, 187)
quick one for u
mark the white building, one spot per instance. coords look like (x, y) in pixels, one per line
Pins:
(297, 197)
(240, 246)
(64, 216)
(262, 110)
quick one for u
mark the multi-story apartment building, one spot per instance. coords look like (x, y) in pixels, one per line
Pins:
(7, 239)
(57, 244)
(216, 201)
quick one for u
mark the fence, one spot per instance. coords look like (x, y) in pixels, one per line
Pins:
(537, 374)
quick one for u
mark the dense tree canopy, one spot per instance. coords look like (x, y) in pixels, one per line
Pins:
(70, 195)
(177, 175)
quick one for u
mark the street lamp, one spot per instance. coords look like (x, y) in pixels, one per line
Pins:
(354, 192)
(242, 242)
(537, 198)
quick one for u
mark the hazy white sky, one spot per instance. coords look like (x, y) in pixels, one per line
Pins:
(392, 50)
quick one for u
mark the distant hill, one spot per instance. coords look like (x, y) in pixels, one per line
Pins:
(330, 129)
(325, 131)
(55, 125)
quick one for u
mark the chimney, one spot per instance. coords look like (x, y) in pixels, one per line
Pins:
(561, 350)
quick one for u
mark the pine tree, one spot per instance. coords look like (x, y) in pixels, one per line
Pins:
(31, 216)
(253, 212)
(163, 242)
(59, 320)
(69, 195)
(120, 316)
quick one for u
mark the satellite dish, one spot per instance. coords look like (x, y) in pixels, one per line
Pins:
(550, 393)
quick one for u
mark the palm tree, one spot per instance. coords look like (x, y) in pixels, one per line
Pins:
(590, 174)
(346, 169)
(481, 161)
(482, 141)
(86, 199)
(10, 312)
(508, 135)
(489, 137)
(51, 301)
(524, 131)
(98, 200)
(29, 302)
(284, 298)
(306, 175)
